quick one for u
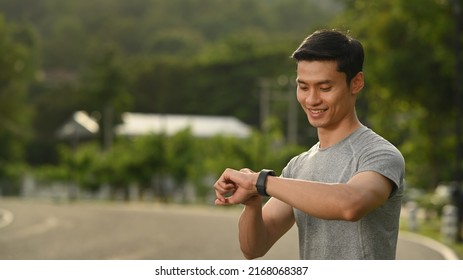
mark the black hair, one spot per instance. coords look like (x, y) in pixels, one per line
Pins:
(332, 45)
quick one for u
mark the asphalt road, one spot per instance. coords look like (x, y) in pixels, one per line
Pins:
(35, 230)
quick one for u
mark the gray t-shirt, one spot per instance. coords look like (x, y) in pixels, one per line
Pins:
(375, 235)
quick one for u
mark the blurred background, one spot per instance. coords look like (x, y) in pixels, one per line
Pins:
(148, 100)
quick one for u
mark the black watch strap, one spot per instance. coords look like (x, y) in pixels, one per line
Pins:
(261, 183)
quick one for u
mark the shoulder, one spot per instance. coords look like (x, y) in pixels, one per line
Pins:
(368, 142)
(377, 154)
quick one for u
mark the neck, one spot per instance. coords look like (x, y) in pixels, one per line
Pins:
(331, 136)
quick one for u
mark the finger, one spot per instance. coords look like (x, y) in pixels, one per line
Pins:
(225, 188)
(235, 198)
(224, 180)
(221, 202)
(219, 196)
(222, 193)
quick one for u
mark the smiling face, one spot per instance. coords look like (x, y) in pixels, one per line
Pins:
(325, 96)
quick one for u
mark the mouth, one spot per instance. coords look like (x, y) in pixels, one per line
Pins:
(317, 111)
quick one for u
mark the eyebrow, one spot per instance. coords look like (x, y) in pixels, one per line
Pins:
(323, 82)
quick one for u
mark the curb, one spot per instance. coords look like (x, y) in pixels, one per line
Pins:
(444, 250)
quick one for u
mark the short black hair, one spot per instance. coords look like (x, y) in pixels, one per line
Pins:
(332, 45)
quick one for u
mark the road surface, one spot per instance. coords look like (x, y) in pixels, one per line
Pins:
(41, 230)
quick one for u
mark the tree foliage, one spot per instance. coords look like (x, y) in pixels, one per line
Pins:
(147, 161)
(18, 61)
(156, 56)
(410, 80)
(210, 57)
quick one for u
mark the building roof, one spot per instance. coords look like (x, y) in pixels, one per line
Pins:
(80, 125)
(134, 124)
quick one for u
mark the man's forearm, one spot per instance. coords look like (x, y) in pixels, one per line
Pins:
(253, 235)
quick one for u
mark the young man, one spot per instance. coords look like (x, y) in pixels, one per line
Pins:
(345, 193)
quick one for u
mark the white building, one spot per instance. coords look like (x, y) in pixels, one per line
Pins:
(134, 124)
(81, 125)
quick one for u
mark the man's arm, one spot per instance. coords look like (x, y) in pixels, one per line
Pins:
(260, 228)
(341, 201)
(350, 201)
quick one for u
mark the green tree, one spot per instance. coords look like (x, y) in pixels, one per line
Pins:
(114, 168)
(181, 158)
(18, 62)
(409, 72)
(106, 89)
(150, 156)
(160, 52)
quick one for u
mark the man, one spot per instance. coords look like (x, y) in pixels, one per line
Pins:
(345, 193)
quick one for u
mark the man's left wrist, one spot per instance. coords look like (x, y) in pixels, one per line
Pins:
(261, 184)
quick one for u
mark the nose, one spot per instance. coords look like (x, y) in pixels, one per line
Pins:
(311, 98)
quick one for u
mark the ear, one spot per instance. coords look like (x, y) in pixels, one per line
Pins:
(357, 83)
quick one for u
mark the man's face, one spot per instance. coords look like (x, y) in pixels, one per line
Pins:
(324, 94)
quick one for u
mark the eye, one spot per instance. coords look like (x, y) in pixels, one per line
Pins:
(303, 87)
(325, 89)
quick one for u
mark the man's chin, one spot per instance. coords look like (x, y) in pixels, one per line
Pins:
(315, 124)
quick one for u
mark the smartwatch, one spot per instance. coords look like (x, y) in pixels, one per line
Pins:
(261, 183)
